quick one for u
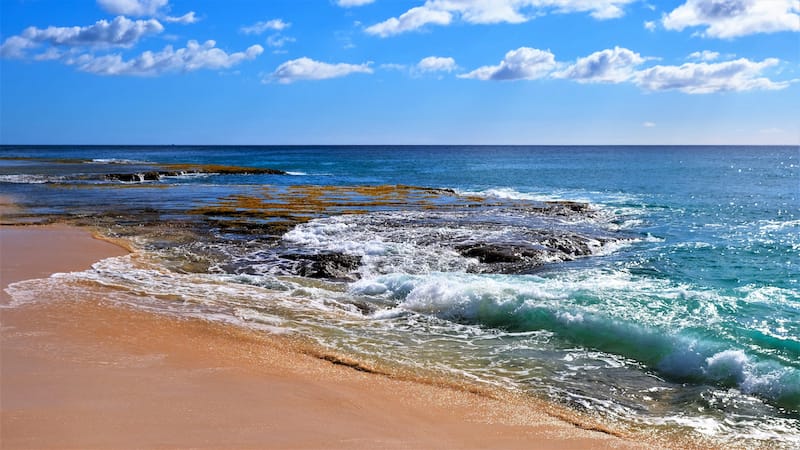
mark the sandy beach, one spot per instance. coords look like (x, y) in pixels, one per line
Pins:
(90, 375)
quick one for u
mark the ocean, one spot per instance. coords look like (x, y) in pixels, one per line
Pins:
(650, 287)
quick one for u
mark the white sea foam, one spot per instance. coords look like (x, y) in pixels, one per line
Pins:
(382, 249)
(772, 296)
(295, 173)
(615, 211)
(186, 176)
(331, 235)
(422, 242)
(119, 161)
(513, 194)
(639, 318)
(29, 179)
(771, 226)
(595, 199)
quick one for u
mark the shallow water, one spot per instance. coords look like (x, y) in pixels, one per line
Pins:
(672, 299)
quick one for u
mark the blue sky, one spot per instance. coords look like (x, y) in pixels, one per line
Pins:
(400, 72)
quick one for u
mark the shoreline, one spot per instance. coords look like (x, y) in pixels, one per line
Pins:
(92, 375)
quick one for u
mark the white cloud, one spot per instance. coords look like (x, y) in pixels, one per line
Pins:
(619, 65)
(51, 54)
(350, 3)
(412, 19)
(133, 7)
(607, 66)
(193, 57)
(705, 55)
(120, 32)
(261, 27)
(187, 18)
(707, 78)
(599, 9)
(148, 8)
(15, 46)
(442, 12)
(523, 63)
(734, 18)
(648, 124)
(436, 64)
(308, 69)
(650, 25)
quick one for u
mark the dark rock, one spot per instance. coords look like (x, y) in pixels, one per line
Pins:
(569, 245)
(155, 175)
(540, 248)
(499, 253)
(567, 205)
(335, 266)
(505, 258)
(134, 177)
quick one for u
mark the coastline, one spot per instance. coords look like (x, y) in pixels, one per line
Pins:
(90, 375)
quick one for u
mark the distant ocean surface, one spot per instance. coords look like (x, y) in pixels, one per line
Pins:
(649, 286)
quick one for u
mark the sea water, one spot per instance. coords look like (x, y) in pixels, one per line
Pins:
(681, 309)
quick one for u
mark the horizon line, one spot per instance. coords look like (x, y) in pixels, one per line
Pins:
(400, 145)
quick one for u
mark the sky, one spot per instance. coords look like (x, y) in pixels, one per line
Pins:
(274, 72)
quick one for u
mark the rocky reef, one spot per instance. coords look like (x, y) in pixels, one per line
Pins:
(183, 170)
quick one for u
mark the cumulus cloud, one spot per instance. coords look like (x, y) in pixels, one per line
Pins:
(194, 56)
(185, 19)
(650, 25)
(443, 12)
(607, 66)
(707, 78)
(51, 54)
(524, 63)
(148, 8)
(436, 64)
(15, 46)
(261, 27)
(308, 69)
(133, 7)
(120, 32)
(351, 3)
(412, 19)
(621, 65)
(734, 18)
(599, 9)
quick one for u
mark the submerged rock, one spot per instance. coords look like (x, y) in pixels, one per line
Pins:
(334, 266)
(505, 258)
(542, 247)
(500, 253)
(155, 175)
(135, 177)
(568, 206)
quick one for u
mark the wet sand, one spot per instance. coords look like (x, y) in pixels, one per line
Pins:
(92, 375)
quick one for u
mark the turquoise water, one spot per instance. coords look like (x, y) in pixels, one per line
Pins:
(685, 312)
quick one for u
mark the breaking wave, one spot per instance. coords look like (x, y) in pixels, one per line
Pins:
(644, 320)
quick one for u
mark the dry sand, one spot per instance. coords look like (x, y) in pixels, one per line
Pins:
(92, 375)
